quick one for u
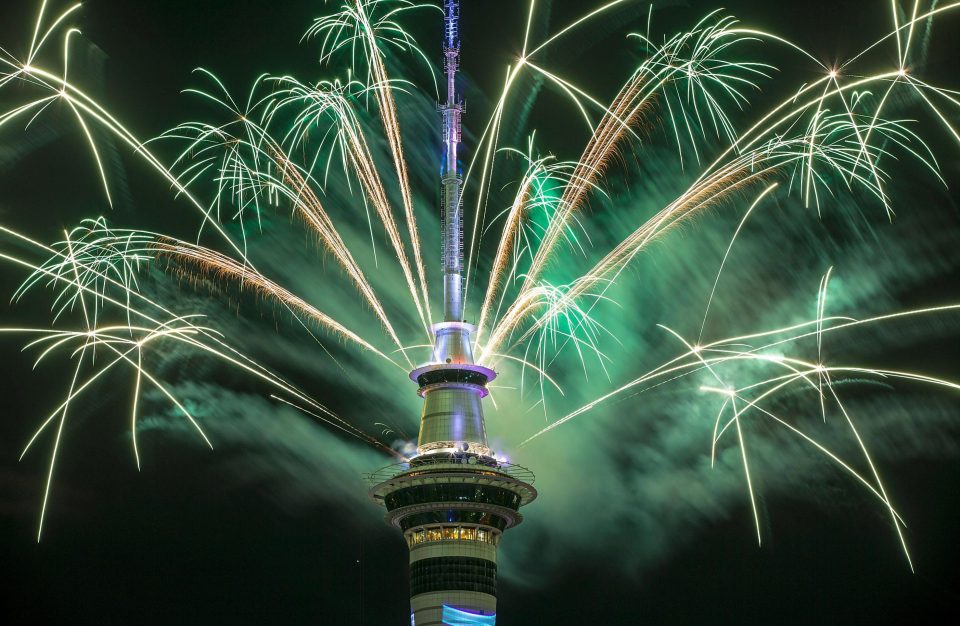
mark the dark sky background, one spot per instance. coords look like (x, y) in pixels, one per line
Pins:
(171, 544)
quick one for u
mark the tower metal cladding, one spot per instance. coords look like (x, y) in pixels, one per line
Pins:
(454, 499)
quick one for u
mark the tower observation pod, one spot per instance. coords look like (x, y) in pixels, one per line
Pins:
(454, 499)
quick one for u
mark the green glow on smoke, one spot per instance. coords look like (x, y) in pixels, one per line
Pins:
(656, 471)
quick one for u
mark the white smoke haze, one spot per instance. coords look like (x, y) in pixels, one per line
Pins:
(639, 463)
(260, 442)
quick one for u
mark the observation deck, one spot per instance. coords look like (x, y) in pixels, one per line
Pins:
(452, 507)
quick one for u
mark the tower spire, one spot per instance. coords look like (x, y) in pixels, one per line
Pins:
(451, 181)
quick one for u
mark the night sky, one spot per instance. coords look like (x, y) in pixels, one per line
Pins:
(187, 540)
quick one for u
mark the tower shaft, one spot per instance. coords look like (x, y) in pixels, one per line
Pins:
(453, 500)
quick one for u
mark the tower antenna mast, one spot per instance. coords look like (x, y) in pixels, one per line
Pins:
(451, 208)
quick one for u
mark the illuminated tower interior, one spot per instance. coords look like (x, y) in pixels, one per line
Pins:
(453, 500)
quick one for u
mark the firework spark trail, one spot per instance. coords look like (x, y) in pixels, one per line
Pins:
(624, 113)
(388, 113)
(665, 66)
(328, 99)
(711, 356)
(213, 262)
(838, 143)
(238, 175)
(313, 213)
(92, 337)
(689, 361)
(79, 101)
(372, 31)
(501, 259)
(749, 144)
(827, 131)
(490, 137)
(613, 263)
(53, 271)
(94, 278)
(586, 172)
(659, 71)
(532, 193)
(110, 337)
(485, 154)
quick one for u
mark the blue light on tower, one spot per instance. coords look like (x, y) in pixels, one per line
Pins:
(456, 617)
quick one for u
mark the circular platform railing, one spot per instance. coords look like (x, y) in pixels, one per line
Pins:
(451, 462)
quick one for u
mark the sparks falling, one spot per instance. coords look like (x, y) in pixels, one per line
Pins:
(286, 145)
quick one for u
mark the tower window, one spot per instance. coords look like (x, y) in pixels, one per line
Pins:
(429, 518)
(452, 533)
(453, 573)
(452, 492)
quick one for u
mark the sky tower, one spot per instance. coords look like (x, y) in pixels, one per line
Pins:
(453, 500)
